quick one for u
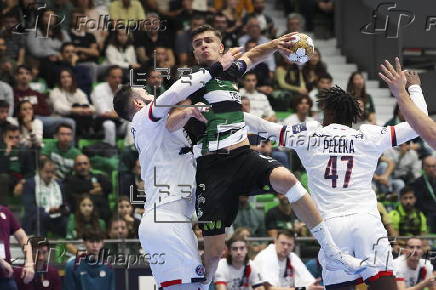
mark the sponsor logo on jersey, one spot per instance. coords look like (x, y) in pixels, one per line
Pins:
(200, 271)
(213, 225)
(298, 128)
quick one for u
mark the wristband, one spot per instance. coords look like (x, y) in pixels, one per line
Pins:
(216, 69)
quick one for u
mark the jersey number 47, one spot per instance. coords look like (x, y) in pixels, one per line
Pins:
(331, 171)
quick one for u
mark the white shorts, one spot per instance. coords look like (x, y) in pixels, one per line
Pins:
(176, 243)
(362, 236)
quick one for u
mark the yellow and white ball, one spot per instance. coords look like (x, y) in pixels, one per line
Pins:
(302, 49)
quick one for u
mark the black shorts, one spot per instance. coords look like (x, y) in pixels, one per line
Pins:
(222, 178)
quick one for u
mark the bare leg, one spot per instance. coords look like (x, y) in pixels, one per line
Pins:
(213, 250)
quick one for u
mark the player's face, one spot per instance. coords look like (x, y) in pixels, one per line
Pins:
(284, 246)
(207, 48)
(408, 200)
(238, 251)
(414, 249)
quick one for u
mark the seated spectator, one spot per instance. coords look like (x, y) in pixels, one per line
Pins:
(31, 129)
(236, 270)
(62, 152)
(407, 220)
(263, 74)
(149, 37)
(14, 45)
(125, 211)
(425, 190)
(324, 81)
(259, 104)
(62, 12)
(132, 179)
(313, 69)
(99, 275)
(407, 164)
(281, 217)
(10, 226)
(302, 111)
(221, 23)
(280, 267)
(102, 98)
(41, 109)
(85, 218)
(412, 272)
(16, 163)
(356, 87)
(70, 101)
(183, 42)
(118, 228)
(83, 181)
(121, 51)
(265, 21)
(235, 12)
(50, 279)
(254, 32)
(43, 196)
(250, 217)
(7, 67)
(383, 180)
(295, 23)
(182, 17)
(125, 10)
(4, 112)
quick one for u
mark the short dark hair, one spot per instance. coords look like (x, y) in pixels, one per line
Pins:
(111, 68)
(65, 44)
(407, 189)
(122, 101)
(63, 125)
(325, 75)
(23, 66)
(93, 235)
(287, 233)
(44, 161)
(4, 104)
(39, 242)
(252, 73)
(10, 128)
(204, 28)
(233, 239)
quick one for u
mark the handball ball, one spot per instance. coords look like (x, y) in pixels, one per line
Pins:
(302, 50)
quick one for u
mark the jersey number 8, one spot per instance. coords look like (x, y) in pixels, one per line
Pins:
(331, 172)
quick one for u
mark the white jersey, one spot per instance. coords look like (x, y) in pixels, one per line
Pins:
(245, 278)
(168, 175)
(340, 162)
(411, 277)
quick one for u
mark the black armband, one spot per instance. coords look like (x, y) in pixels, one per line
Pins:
(216, 69)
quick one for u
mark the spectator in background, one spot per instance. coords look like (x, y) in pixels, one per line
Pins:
(425, 190)
(237, 271)
(250, 217)
(182, 17)
(70, 101)
(62, 12)
(98, 275)
(4, 112)
(132, 178)
(291, 80)
(356, 87)
(85, 43)
(407, 220)
(265, 21)
(46, 276)
(221, 23)
(313, 69)
(10, 226)
(254, 32)
(14, 45)
(154, 81)
(62, 152)
(44, 202)
(41, 109)
(125, 211)
(324, 81)
(323, 21)
(31, 129)
(246, 106)
(102, 98)
(302, 111)
(235, 10)
(16, 163)
(125, 10)
(121, 51)
(295, 23)
(7, 68)
(259, 103)
(383, 179)
(83, 181)
(263, 75)
(280, 267)
(85, 218)
(118, 229)
(407, 164)
(411, 270)
(281, 217)
(183, 42)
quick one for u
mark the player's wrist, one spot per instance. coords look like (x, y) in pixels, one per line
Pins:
(216, 69)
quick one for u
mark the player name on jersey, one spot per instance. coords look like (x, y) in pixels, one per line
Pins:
(338, 145)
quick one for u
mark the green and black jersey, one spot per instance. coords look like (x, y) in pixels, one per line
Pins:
(225, 118)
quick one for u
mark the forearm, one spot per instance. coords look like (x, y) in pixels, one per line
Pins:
(306, 211)
(178, 119)
(390, 168)
(260, 53)
(23, 240)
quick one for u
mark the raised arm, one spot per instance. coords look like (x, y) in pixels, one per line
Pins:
(262, 127)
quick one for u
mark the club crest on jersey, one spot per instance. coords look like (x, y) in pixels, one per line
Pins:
(200, 270)
(298, 128)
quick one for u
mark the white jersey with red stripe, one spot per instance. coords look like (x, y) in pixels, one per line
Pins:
(340, 162)
(411, 277)
(168, 175)
(244, 278)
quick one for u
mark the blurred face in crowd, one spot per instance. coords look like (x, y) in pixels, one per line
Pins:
(161, 55)
(137, 168)
(259, 5)
(124, 208)
(86, 207)
(249, 45)
(26, 111)
(253, 28)
(315, 58)
(49, 18)
(119, 230)
(415, 250)
(429, 166)
(246, 105)
(154, 79)
(122, 36)
(152, 23)
(283, 200)
(250, 82)
(23, 77)
(48, 172)
(82, 165)
(408, 200)
(68, 52)
(220, 23)
(294, 24)
(9, 23)
(75, 20)
(93, 247)
(115, 78)
(284, 246)
(207, 47)
(324, 83)
(42, 255)
(64, 136)
(303, 107)
(12, 137)
(4, 113)
(66, 79)
(2, 46)
(238, 250)
(404, 148)
(358, 81)
(187, 4)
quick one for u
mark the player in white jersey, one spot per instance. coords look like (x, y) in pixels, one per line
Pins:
(340, 162)
(169, 177)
